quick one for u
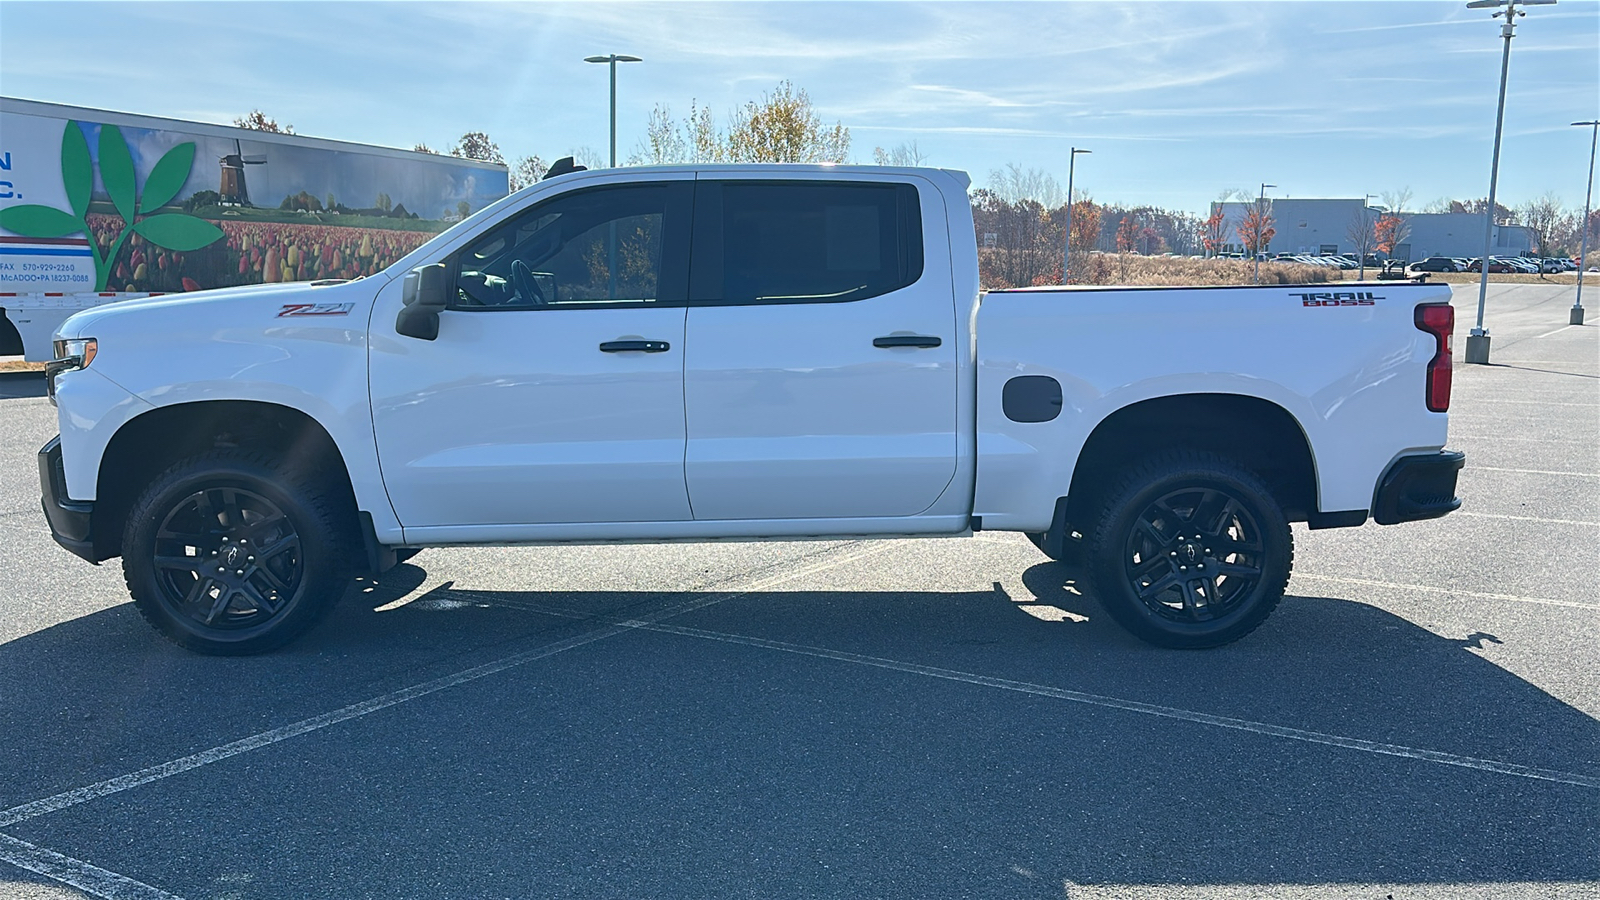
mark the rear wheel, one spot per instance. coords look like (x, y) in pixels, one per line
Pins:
(227, 553)
(1191, 551)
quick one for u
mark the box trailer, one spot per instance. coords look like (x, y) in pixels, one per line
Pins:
(99, 206)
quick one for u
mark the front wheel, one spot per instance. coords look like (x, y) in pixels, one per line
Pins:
(1191, 551)
(230, 553)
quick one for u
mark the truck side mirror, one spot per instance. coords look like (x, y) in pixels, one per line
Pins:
(424, 294)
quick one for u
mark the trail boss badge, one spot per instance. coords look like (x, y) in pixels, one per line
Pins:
(1338, 298)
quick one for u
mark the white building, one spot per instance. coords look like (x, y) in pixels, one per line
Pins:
(1326, 227)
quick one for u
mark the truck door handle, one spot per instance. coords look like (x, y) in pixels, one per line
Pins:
(906, 340)
(643, 346)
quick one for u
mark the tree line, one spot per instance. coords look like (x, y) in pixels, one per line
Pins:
(1020, 217)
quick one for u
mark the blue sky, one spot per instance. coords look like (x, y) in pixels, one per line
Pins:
(1178, 101)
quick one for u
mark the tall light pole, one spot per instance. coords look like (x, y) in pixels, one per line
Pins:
(1066, 253)
(1256, 256)
(1583, 246)
(1478, 339)
(1366, 234)
(612, 59)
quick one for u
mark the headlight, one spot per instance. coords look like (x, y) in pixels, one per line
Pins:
(76, 353)
(81, 349)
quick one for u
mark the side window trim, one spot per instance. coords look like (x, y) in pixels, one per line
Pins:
(707, 261)
(673, 281)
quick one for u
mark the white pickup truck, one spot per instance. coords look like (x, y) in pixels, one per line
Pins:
(735, 352)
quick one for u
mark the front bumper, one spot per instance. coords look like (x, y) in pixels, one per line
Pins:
(1419, 487)
(70, 520)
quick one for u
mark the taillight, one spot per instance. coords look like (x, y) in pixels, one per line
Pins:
(1439, 320)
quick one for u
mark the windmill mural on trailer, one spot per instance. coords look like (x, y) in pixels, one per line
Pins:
(234, 190)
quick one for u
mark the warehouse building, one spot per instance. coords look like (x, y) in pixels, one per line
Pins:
(1326, 226)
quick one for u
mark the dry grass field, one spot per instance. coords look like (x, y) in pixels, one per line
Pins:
(1496, 278)
(1133, 269)
(1130, 268)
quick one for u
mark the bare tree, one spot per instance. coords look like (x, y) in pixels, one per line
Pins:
(526, 171)
(257, 120)
(1565, 238)
(1014, 184)
(477, 145)
(588, 157)
(1396, 201)
(783, 126)
(1362, 236)
(1541, 217)
(905, 153)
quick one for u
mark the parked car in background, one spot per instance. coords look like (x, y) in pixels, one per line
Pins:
(1495, 265)
(1551, 267)
(1438, 264)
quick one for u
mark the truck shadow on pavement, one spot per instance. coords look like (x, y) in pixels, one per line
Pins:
(758, 745)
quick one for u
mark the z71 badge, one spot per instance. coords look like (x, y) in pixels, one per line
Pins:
(316, 309)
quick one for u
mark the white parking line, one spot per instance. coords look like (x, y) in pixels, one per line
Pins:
(1535, 440)
(1527, 402)
(1479, 515)
(1168, 712)
(267, 738)
(77, 873)
(1453, 592)
(1530, 471)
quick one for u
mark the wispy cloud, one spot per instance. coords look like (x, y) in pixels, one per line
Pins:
(1177, 98)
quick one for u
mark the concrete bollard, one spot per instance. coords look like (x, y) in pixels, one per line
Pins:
(1478, 348)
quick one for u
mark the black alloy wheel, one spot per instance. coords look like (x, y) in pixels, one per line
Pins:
(232, 552)
(228, 559)
(1191, 551)
(1194, 555)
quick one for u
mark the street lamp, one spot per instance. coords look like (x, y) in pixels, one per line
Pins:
(1583, 246)
(1478, 339)
(1366, 234)
(1256, 256)
(1066, 253)
(612, 59)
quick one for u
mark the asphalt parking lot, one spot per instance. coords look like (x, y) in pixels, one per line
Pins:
(940, 718)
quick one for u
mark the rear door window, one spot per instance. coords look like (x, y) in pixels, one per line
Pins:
(803, 241)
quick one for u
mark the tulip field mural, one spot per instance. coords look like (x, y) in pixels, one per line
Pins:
(123, 208)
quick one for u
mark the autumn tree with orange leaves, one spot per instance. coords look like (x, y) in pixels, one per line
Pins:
(1127, 235)
(1214, 233)
(1256, 228)
(1391, 231)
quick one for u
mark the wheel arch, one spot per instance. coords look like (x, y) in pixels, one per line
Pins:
(150, 442)
(10, 337)
(1259, 434)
